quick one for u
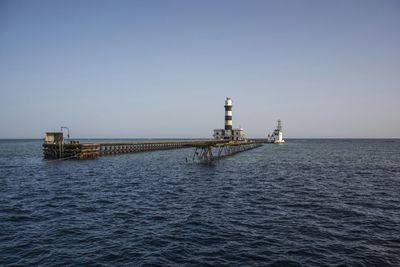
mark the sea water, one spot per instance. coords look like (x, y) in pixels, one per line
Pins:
(305, 203)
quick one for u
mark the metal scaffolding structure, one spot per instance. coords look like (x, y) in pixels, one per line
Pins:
(207, 154)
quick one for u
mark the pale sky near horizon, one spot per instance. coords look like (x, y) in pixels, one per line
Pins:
(162, 69)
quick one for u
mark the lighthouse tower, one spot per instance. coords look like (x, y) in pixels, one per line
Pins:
(279, 130)
(228, 118)
(228, 133)
(228, 114)
(277, 135)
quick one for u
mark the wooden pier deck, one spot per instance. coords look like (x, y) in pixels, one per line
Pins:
(76, 150)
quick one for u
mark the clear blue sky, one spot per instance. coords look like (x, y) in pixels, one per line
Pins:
(163, 68)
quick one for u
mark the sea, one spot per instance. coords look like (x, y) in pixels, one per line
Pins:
(308, 202)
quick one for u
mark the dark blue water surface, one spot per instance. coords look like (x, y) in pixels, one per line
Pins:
(305, 203)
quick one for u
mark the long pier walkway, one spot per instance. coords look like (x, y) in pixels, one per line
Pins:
(206, 150)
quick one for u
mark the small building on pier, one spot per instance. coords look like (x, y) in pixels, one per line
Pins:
(54, 138)
(234, 134)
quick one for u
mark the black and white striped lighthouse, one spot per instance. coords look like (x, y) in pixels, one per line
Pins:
(228, 114)
(229, 133)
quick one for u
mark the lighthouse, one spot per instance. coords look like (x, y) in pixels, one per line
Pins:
(277, 135)
(228, 114)
(228, 133)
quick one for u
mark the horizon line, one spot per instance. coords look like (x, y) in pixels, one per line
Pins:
(191, 138)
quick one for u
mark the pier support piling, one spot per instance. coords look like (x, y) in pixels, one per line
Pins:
(204, 153)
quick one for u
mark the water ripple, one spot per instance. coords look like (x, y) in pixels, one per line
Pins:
(306, 203)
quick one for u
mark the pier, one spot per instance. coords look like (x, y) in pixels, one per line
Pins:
(206, 151)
